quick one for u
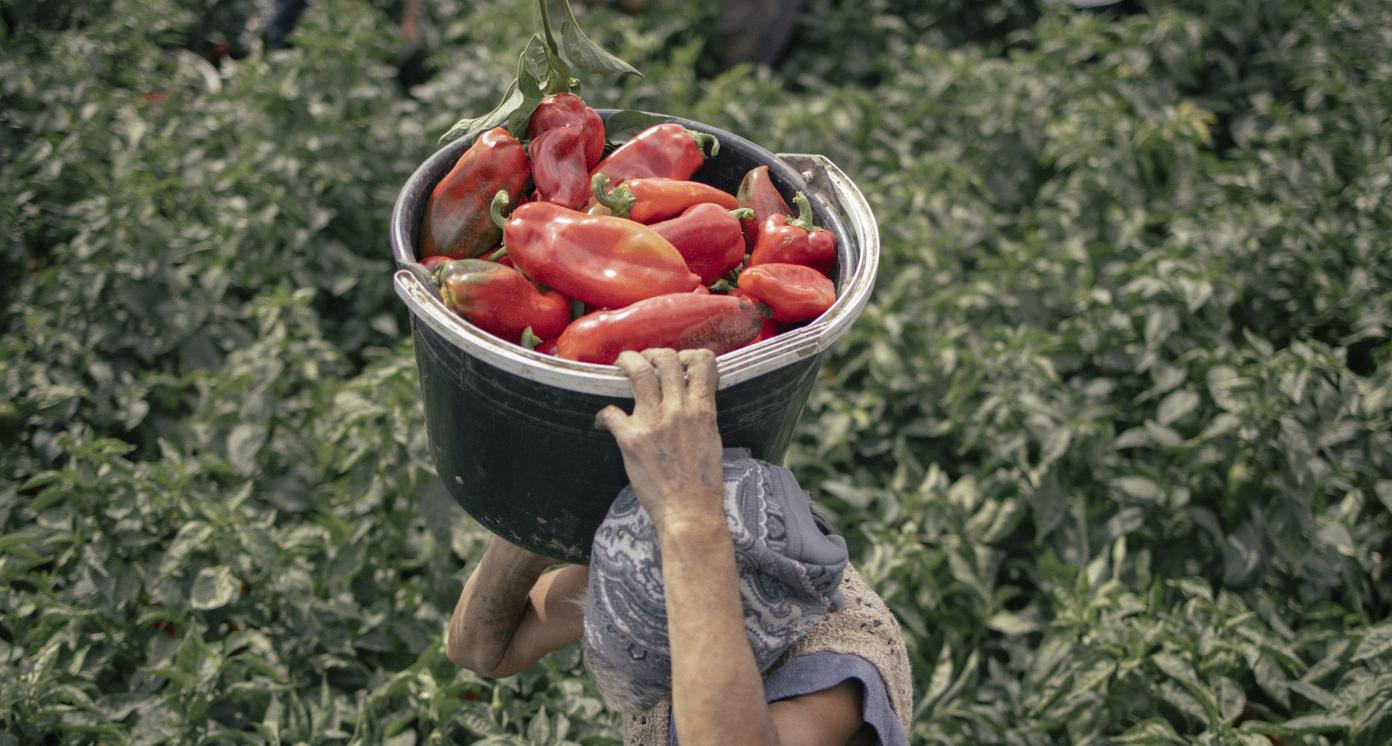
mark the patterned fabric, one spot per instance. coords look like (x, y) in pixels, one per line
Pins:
(862, 628)
(789, 572)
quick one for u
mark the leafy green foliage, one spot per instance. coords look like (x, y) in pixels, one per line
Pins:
(1114, 438)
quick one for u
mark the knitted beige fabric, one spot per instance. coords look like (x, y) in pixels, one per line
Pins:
(863, 627)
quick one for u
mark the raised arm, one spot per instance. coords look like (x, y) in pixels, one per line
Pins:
(510, 614)
(672, 453)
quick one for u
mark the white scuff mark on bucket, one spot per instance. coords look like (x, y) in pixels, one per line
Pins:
(565, 550)
(458, 479)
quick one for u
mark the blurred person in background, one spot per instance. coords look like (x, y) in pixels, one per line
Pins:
(717, 607)
(756, 33)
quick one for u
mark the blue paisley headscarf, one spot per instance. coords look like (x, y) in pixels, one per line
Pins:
(789, 570)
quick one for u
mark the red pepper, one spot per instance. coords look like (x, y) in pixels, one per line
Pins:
(784, 240)
(501, 301)
(457, 222)
(758, 193)
(604, 261)
(794, 292)
(681, 321)
(709, 239)
(569, 110)
(768, 330)
(431, 262)
(558, 167)
(650, 200)
(668, 151)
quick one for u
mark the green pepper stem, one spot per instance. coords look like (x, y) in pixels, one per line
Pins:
(495, 210)
(498, 255)
(743, 213)
(722, 286)
(529, 339)
(804, 218)
(619, 200)
(546, 25)
(706, 141)
(446, 297)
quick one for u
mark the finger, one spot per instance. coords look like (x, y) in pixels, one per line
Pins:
(647, 396)
(612, 419)
(702, 376)
(670, 373)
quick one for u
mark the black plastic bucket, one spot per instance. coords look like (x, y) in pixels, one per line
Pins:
(511, 431)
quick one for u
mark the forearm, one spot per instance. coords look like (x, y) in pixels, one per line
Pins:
(491, 607)
(717, 692)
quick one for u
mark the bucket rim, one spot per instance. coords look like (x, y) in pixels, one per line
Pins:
(834, 196)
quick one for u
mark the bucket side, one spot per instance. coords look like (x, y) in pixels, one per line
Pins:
(525, 460)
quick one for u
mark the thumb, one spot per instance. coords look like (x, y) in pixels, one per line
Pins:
(612, 419)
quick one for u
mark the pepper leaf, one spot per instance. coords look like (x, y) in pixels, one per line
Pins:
(473, 126)
(520, 99)
(581, 53)
(532, 95)
(214, 588)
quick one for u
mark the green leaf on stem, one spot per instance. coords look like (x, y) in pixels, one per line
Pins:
(520, 99)
(582, 53)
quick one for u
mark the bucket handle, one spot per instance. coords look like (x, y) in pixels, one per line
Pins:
(827, 182)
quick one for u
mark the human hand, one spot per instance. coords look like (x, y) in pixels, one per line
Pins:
(670, 444)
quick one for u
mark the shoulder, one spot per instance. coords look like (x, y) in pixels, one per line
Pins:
(864, 629)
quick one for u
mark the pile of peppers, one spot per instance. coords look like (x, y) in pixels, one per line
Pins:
(600, 254)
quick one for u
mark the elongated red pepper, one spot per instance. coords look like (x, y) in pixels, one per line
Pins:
(568, 109)
(668, 151)
(794, 292)
(558, 167)
(709, 239)
(500, 300)
(604, 261)
(650, 200)
(681, 321)
(758, 193)
(457, 222)
(785, 240)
